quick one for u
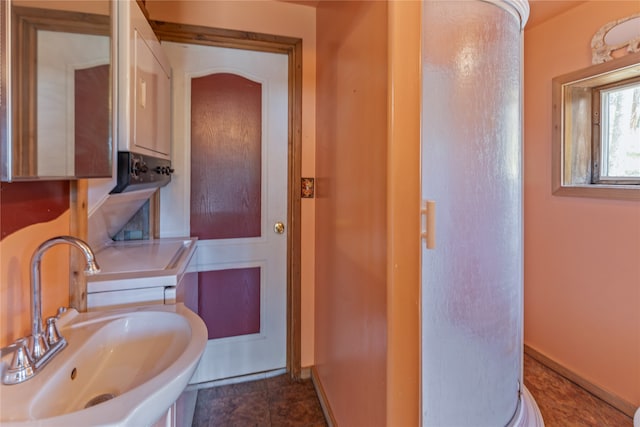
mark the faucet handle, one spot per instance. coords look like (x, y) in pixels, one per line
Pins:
(52, 334)
(22, 366)
(61, 311)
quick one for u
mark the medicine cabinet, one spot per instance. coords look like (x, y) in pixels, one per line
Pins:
(56, 89)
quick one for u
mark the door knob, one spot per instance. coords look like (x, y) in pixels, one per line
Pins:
(278, 227)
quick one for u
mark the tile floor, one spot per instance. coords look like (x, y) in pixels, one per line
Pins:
(272, 402)
(564, 404)
(281, 402)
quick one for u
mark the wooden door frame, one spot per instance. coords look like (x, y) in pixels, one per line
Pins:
(292, 47)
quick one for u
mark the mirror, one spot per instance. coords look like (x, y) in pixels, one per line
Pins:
(60, 117)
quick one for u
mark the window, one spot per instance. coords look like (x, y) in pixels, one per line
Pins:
(616, 143)
(596, 130)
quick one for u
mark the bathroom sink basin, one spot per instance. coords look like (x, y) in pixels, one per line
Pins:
(120, 368)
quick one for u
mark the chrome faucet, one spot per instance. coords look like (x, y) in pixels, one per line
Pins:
(43, 345)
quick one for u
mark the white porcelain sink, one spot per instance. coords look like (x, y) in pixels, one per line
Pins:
(120, 368)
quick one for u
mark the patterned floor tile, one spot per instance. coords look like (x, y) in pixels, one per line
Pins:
(280, 402)
(564, 404)
(274, 402)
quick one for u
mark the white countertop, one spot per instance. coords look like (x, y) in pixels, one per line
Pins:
(141, 263)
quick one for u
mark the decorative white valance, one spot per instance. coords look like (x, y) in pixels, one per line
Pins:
(614, 36)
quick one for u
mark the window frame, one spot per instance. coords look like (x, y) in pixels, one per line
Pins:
(574, 131)
(596, 154)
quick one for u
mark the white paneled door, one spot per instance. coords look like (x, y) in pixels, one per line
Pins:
(230, 191)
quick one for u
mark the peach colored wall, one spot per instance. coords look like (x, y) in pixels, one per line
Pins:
(283, 19)
(351, 216)
(15, 272)
(582, 256)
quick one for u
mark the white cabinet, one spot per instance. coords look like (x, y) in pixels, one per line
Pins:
(144, 92)
(142, 272)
